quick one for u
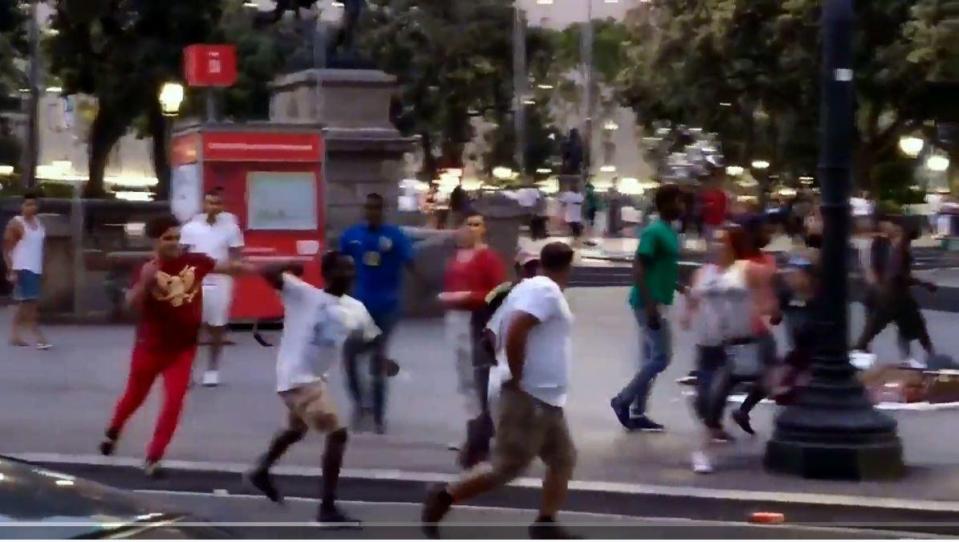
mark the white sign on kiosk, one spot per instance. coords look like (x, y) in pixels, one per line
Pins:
(281, 201)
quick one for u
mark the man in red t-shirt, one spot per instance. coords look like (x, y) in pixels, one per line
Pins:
(714, 203)
(169, 297)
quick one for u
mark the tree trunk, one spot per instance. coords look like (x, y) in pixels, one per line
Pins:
(106, 130)
(429, 169)
(158, 126)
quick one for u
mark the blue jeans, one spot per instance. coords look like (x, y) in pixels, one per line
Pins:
(351, 352)
(657, 349)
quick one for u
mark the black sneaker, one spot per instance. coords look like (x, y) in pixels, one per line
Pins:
(332, 515)
(548, 529)
(644, 424)
(260, 479)
(437, 504)
(107, 446)
(621, 410)
(742, 420)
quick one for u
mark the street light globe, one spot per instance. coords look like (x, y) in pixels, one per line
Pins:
(911, 146)
(171, 96)
(735, 171)
(760, 164)
(937, 163)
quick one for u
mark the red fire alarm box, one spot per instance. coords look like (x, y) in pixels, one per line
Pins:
(209, 65)
(272, 180)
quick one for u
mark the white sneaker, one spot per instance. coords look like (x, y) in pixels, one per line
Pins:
(862, 360)
(913, 363)
(211, 379)
(701, 463)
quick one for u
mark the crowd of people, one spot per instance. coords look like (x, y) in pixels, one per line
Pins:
(509, 340)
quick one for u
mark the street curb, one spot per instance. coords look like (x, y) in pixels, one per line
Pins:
(575, 485)
(377, 485)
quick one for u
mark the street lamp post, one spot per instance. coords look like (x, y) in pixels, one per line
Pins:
(586, 46)
(32, 154)
(520, 87)
(831, 430)
(170, 98)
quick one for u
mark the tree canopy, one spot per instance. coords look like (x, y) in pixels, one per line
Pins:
(749, 70)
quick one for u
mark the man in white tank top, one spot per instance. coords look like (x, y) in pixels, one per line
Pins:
(23, 255)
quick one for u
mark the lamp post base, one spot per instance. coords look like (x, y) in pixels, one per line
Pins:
(857, 443)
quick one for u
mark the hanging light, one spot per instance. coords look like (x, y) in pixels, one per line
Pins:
(911, 146)
(171, 96)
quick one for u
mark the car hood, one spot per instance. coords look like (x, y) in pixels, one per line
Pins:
(35, 501)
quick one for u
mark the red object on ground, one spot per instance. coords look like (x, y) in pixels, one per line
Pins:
(206, 65)
(272, 181)
(767, 518)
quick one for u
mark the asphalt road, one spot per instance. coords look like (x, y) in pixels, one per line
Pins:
(53, 406)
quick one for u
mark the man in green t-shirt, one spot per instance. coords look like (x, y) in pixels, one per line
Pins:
(656, 282)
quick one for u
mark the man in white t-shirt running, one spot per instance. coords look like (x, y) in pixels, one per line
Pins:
(316, 324)
(217, 234)
(572, 201)
(530, 420)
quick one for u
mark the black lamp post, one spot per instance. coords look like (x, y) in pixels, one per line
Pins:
(832, 430)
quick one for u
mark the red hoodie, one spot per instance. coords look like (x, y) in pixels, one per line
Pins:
(478, 276)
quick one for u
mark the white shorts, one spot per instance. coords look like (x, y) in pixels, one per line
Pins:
(217, 299)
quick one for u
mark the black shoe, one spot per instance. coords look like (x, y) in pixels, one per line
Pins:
(107, 446)
(437, 504)
(622, 412)
(392, 368)
(109, 443)
(742, 420)
(644, 424)
(548, 529)
(153, 470)
(331, 514)
(379, 427)
(260, 479)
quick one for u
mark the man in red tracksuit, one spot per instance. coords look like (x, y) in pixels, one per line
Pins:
(169, 296)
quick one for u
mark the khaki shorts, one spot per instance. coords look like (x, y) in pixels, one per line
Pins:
(528, 428)
(311, 407)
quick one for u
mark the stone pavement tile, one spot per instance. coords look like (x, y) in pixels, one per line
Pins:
(59, 402)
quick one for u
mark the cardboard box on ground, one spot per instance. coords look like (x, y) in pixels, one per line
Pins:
(890, 384)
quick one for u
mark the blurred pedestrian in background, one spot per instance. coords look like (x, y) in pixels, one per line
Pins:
(23, 247)
(473, 272)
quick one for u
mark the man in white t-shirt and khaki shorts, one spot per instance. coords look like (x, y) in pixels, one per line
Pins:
(316, 324)
(530, 418)
(217, 234)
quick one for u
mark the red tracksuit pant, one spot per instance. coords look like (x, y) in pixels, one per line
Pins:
(146, 365)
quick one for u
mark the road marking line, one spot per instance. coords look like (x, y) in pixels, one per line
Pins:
(629, 521)
(858, 501)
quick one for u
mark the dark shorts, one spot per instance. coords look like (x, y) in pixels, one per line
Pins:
(903, 310)
(576, 228)
(27, 287)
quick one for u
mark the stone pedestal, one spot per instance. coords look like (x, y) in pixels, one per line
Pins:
(364, 152)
